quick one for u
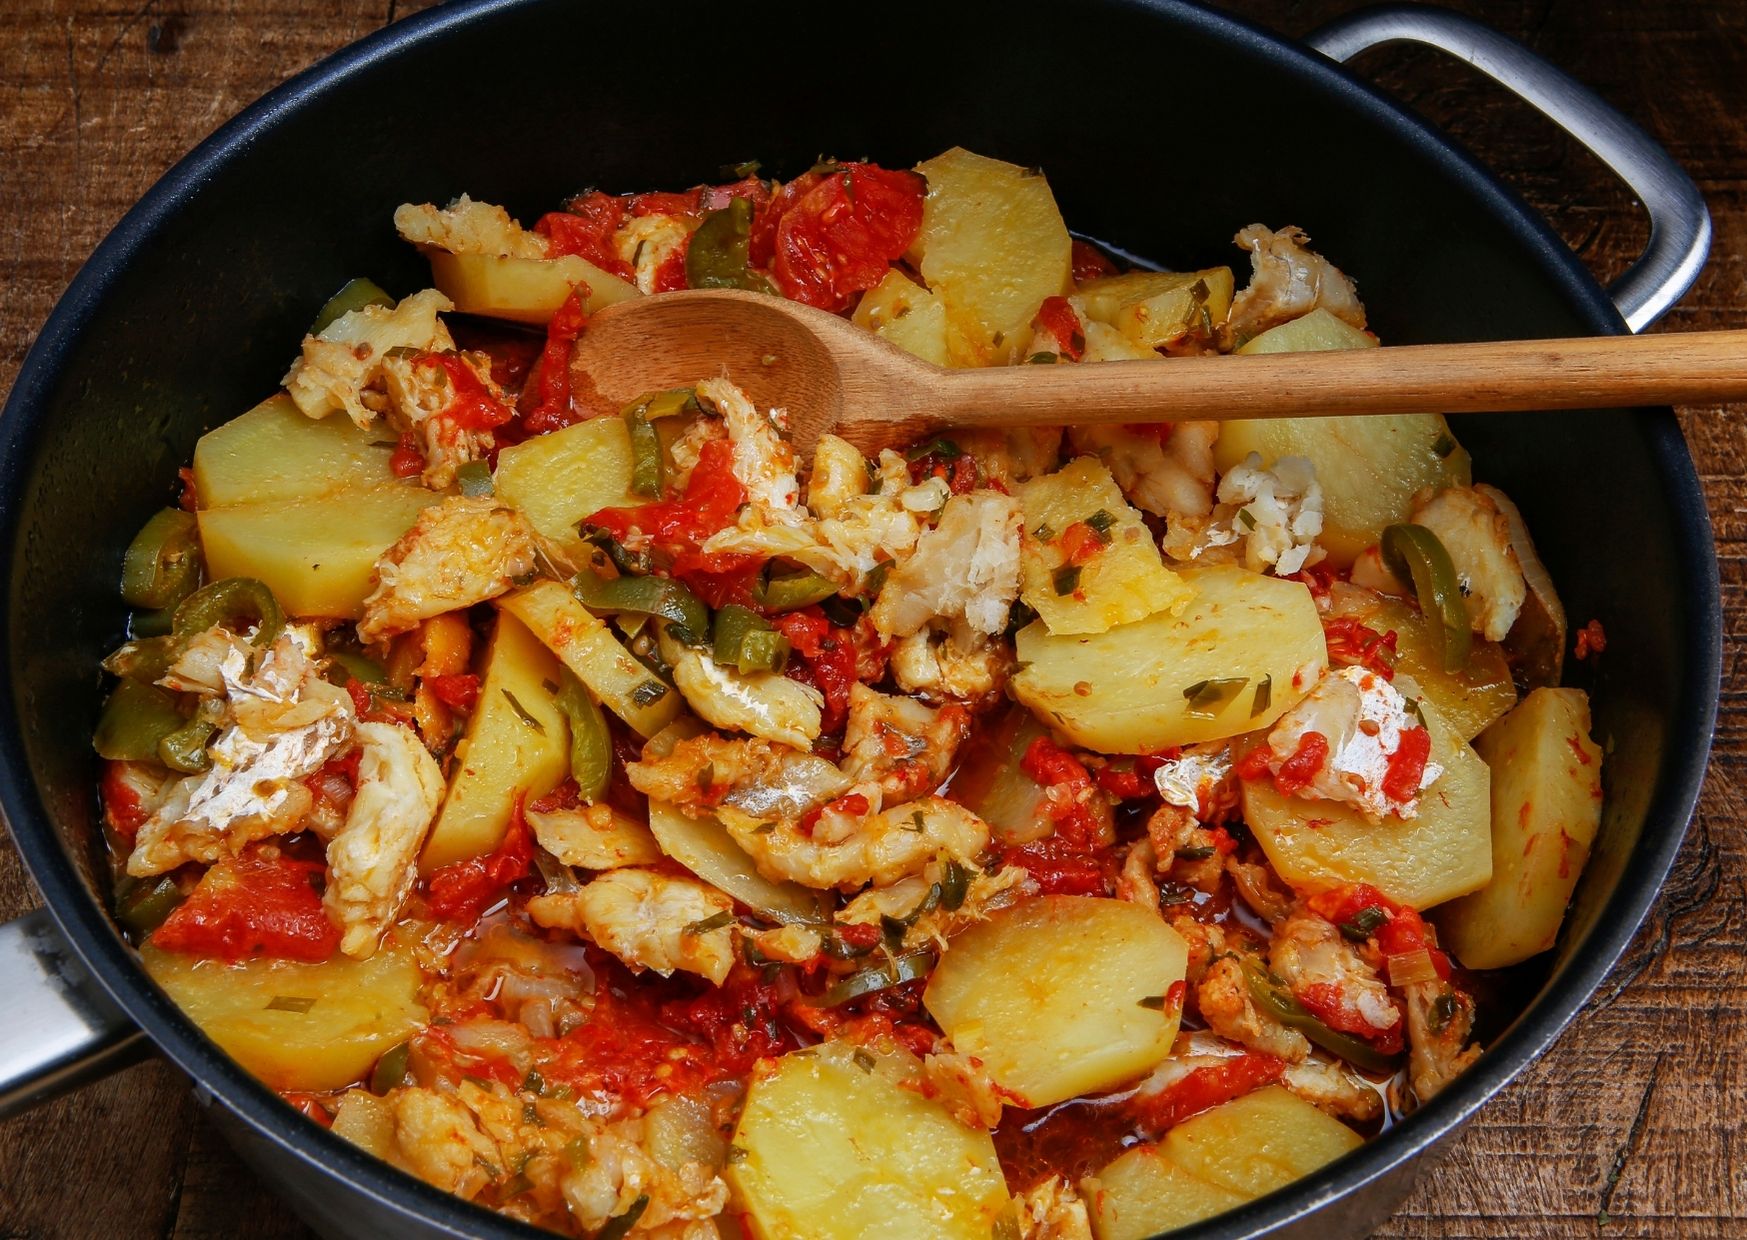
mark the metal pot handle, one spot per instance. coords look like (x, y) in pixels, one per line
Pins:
(61, 1029)
(1680, 223)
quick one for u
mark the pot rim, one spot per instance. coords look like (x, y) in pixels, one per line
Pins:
(92, 935)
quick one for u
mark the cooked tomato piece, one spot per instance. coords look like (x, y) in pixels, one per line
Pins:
(843, 233)
(586, 230)
(260, 903)
(545, 401)
(461, 890)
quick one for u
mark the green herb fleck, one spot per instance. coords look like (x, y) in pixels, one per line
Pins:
(1154, 1002)
(714, 922)
(1247, 518)
(648, 693)
(1207, 698)
(736, 1153)
(1201, 853)
(862, 1059)
(1264, 695)
(618, 1228)
(522, 713)
(1102, 523)
(1364, 922)
(1066, 579)
(1044, 358)
(1443, 445)
(290, 1003)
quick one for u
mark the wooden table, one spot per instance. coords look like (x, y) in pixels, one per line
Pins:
(1630, 1127)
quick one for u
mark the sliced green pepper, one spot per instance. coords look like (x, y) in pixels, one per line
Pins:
(591, 745)
(135, 719)
(161, 566)
(745, 640)
(1414, 552)
(688, 619)
(1279, 1004)
(230, 602)
(792, 591)
(184, 749)
(905, 968)
(355, 295)
(390, 1070)
(474, 479)
(145, 660)
(157, 623)
(648, 457)
(142, 905)
(718, 254)
(357, 667)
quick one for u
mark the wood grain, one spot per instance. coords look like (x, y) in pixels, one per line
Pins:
(1629, 1127)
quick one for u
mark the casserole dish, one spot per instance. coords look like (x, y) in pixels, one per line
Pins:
(1441, 251)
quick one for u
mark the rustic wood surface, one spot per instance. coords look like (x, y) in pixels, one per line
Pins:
(1630, 1127)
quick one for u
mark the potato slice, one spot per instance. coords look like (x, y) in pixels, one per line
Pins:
(318, 555)
(1469, 699)
(1123, 581)
(517, 744)
(1061, 995)
(703, 846)
(525, 290)
(1546, 808)
(274, 453)
(831, 1145)
(992, 246)
(1220, 1159)
(991, 781)
(1160, 681)
(903, 312)
(1444, 852)
(1156, 308)
(588, 648)
(296, 1025)
(556, 480)
(1316, 332)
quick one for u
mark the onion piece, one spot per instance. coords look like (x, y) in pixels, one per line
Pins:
(1410, 968)
(1538, 636)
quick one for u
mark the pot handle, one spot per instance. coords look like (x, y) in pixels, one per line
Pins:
(61, 1029)
(1680, 223)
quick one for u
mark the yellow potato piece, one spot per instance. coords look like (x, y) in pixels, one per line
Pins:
(274, 453)
(352, 1011)
(992, 246)
(1061, 995)
(1156, 308)
(1546, 808)
(588, 648)
(1123, 691)
(1444, 852)
(908, 315)
(517, 743)
(1125, 581)
(703, 846)
(1213, 1162)
(556, 480)
(318, 555)
(1316, 332)
(525, 290)
(831, 1145)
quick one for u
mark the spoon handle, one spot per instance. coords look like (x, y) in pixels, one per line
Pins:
(1590, 372)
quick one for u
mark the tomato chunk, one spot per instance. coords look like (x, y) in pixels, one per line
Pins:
(842, 234)
(260, 903)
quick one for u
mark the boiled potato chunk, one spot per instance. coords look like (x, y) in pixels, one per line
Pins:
(273, 453)
(1546, 807)
(1135, 688)
(517, 744)
(1061, 995)
(1156, 308)
(558, 479)
(1369, 467)
(703, 846)
(1220, 1159)
(1443, 852)
(908, 315)
(318, 556)
(992, 246)
(588, 648)
(833, 1146)
(1125, 580)
(525, 290)
(1470, 698)
(297, 1025)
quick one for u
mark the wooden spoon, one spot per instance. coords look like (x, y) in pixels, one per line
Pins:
(831, 375)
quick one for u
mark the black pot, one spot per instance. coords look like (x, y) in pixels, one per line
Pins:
(187, 312)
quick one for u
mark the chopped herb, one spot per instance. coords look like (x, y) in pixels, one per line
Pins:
(1041, 359)
(551, 686)
(1443, 1011)
(1199, 293)
(1077, 342)
(955, 883)
(1018, 616)
(999, 340)
(1043, 533)
(1201, 853)
(841, 949)
(706, 777)
(289, 1003)
(624, 559)
(1264, 695)
(1102, 523)
(522, 713)
(1247, 517)
(637, 257)
(1414, 710)
(1207, 698)
(715, 922)
(740, 171)
(875, 580)
(648, 693)
(531, 1115)
(1175, 893)
(617, 1228)
(917, 822)
(892, 930)
(1066, 579)
(534, 1083)
(750, 954)
(736, 1153)
(939, 446)
(1443, 445)
(862, 1059)
(1155, 1002)
(1364, 922)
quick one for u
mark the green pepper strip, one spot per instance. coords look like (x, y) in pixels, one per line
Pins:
(184, 749)
(648, 457)
(390, 1070)
(1414, 551)
(1289, 1012)
(718, 256)
(745, 640)
(591, 745)
(905, 968)
(355, 295)
(135, 719)
(688, 618)
(793, 591)
(161, 566)
(143, 905)
(474, 479)
(227, 602)
(145, 660)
